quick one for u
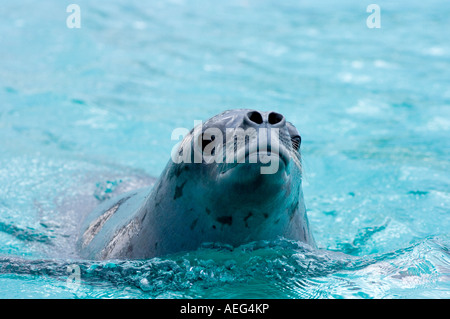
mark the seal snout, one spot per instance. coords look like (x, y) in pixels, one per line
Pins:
(271, 123)
(267, 119)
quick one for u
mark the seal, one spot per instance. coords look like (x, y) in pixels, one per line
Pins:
(219, 186)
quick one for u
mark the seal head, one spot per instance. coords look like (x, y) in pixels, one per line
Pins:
(234, 179)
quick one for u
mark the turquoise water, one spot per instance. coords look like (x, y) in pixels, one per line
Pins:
(86, 113)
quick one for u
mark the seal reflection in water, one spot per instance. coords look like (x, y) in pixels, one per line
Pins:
(219, 186)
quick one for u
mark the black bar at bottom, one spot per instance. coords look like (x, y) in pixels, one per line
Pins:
(220, 308)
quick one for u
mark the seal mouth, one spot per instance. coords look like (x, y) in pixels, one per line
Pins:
(260, 158)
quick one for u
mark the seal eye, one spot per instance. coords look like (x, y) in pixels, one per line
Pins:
(296, 141)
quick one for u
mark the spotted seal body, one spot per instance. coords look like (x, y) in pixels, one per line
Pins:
(196, 201)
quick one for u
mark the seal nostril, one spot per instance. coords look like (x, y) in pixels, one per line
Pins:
(275, 118)
(255, 117)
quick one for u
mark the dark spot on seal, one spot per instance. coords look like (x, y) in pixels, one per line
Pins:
(214, 226)
(179, 191)
(250, 214)
(194, 223)
(266, 215)
(130, 249)
(146, 213)
(228, 220)
(180, 168)
(291, 215)
(292, 210)
(156, 245)
(159, 188)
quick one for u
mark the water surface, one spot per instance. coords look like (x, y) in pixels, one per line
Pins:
(88, 112)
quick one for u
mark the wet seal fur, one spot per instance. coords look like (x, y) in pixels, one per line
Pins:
(193, 203)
